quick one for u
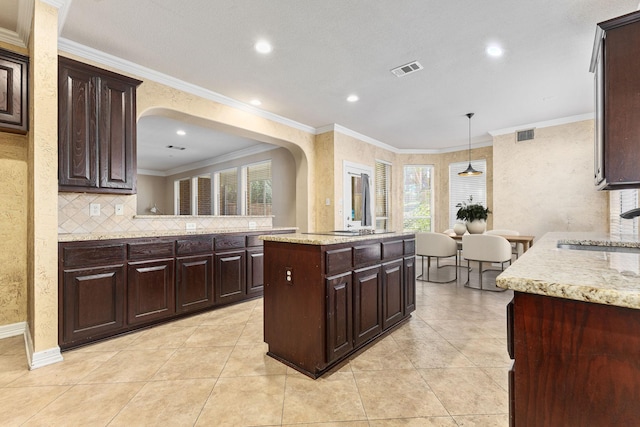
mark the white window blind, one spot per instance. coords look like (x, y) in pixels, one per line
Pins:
(462, 187)
(382, 186)
(203, 202)
(259, 189)
(228, 192)
(621, 201)
(183, 200)
(418, 197)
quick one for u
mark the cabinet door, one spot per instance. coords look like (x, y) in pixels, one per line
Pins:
(393, 296)
(150, 291)
(117, 133)
(409, 278)
(367, 315)
(92, 303)
(255, 271)
(77, 143)
(339, 316)
(194, 283)
(230, 270)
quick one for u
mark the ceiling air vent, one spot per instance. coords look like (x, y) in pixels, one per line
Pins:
(405, 69)
(175, 147)
(524, 135)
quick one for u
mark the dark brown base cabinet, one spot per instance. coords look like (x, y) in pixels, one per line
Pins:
(323, 303)
(108, 287)
(576, 363)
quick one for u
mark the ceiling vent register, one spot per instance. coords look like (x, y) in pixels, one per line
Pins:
(524, 135)
(405, 69)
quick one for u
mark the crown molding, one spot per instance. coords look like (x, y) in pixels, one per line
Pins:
(20, 37)
(544, 124)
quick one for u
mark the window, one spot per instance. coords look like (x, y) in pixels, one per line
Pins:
(227, 192)
(203, 194)
(382, 186)
(183, 192)
(258, 189)
(621, 201)
(193, 196)
(462, 187)
(418, 197)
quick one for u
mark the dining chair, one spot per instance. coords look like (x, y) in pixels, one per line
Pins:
(436, 245)
(516, 248)
(483, 248)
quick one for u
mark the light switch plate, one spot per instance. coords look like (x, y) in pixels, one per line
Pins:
(191, 226)
(119, 209)
(94, 209)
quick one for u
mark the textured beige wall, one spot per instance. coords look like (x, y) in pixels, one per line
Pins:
(13, 228)
(152, 190)
(324, 154)
(43, 183)
(546, 184)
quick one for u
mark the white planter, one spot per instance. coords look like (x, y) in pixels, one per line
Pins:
(459, 228)
(477, 226)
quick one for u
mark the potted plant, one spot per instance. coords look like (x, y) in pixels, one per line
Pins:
(474, 214)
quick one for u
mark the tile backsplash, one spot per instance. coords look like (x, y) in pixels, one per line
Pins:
(74, 216)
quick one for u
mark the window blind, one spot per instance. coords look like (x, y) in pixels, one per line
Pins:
(382, 186)
(462, 187)
(184, 197)
(228, 192)
(204, 195)
(259, 189)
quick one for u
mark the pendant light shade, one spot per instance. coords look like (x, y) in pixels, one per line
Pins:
(469, 171)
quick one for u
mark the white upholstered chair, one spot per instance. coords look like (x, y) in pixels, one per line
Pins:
(485, 248)
(516, 248)
(436, 245)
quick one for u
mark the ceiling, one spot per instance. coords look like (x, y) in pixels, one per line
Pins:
(324, 51)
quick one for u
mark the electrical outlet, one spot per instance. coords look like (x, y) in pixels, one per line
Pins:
(252, 225)
(191, 226)
(94, 209)
(288, 275)
(119, 209)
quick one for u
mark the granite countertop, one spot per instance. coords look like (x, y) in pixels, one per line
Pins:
(76, 237)
(325, 238)
(598, 276)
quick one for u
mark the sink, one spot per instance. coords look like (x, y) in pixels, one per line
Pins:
(605, 247)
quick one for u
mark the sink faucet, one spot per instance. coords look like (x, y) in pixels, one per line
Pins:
(630, 214)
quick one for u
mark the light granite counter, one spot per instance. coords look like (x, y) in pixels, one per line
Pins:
(603, 277)
(327, 239)
(77, 237)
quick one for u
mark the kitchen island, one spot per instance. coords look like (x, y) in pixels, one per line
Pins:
(574, 331)
(329, 295)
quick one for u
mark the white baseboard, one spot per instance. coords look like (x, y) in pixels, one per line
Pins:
(40, 358)
(12, 330)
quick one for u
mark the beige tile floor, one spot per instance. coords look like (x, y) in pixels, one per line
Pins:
(447, 366)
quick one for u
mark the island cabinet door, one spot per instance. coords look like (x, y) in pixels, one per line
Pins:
(255, 271)
(194, 283)
(367, 315)
(409, 278)
(392, 293)
(93, 303)
(150, 291)
(229, 282)
(339, 316)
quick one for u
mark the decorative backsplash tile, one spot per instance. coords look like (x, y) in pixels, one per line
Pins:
(74, 216)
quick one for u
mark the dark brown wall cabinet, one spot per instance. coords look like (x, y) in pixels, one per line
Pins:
(14, 92)
(616, 64)
(96, 129)
(112, 286)
(323, 303)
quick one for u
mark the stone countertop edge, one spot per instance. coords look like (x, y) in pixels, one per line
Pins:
(77, 237)
(321, 239)
(602, 277)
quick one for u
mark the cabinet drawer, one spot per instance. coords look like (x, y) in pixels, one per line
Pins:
(83, 256)
(410, 247)
(147, 250)
(337, 261)
(194, 246)
(366, 254)
(254, 241)
(393, 249)
(229, 242)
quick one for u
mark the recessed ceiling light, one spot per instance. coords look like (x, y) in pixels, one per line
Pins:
(263, 46)
(352, 98)
(181, 132)
(255, 102)
(494, 51)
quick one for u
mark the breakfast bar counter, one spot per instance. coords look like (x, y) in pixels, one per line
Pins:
(573, 330)
(328, 295)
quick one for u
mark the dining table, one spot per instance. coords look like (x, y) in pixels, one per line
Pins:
(526, 241)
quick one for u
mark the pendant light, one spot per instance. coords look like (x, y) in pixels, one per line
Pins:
(470, 171)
